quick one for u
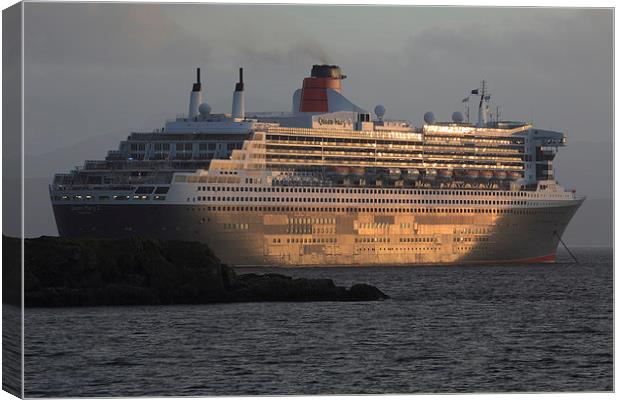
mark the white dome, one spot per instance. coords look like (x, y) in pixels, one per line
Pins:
(379, 111)
(457, 117)
(429, 117)
(204, 109)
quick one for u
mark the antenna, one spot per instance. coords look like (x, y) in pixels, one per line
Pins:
(484, 96)
(480, 92)
(197, 75)
(466, 100)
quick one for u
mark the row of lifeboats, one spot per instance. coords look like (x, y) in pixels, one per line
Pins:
(429, 174)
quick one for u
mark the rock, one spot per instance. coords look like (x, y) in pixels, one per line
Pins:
(276, 287)
(364, 292)
(89, 272)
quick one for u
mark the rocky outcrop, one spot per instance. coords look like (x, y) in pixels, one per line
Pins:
(276, 287)
(89, 272)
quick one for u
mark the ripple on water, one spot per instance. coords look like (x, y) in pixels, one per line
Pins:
(446, 329)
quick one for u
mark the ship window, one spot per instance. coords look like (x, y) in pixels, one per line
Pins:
(138, 146)
(162, 189)
(144, 189)
(183, 146)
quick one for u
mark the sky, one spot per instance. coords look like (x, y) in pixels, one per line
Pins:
(96, 71)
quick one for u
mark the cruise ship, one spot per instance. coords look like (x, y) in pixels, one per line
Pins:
(328, 184)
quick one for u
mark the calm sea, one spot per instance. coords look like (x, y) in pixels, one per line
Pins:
(446, 329)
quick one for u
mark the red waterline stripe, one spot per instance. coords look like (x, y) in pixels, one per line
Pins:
(550, 258)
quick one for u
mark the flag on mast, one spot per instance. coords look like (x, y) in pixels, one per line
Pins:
(465, 100)
(475, 91)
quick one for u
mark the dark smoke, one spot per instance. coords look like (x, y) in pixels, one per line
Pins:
(315, 51)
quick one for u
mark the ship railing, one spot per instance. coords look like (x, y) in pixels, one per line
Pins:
(329, 132)
(106, 187)
(152, 165)
(64, 187)
(177, 117)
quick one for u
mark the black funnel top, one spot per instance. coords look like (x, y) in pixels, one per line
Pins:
(239, 85)
(197, 86)
(326, 71)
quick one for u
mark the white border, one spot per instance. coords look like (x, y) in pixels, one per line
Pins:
(475, 3)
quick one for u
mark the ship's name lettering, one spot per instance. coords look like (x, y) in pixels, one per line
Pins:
(335, 121)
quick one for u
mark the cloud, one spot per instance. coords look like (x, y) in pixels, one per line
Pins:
(107, 34)
(537, 44)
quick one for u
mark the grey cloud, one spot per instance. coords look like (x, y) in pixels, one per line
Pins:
(537, 46)
(108, 34)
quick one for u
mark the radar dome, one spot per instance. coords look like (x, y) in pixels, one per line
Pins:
(204, 109)
(457, 117)
(379, 111)
(429, 117)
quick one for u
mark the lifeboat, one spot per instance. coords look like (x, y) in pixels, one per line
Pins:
(357, 171)
(430, 174)
(513, 176)
(339, 170)
(460, 173)
(370, 174)
(485, 175)
(394, 173)
(473, 174)
(411, 174)
(501, 175)
(445, 174)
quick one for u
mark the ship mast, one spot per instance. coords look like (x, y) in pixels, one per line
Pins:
(483, 96)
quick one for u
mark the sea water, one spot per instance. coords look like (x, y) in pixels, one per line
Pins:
(533, 328)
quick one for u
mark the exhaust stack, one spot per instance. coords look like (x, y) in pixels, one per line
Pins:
(195, 97)
(238, 105)
(314, 90)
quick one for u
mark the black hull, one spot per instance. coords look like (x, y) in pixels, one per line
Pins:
(333, 238)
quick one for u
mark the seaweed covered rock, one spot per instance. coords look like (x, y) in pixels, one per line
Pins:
(88, 272)
(83, 272)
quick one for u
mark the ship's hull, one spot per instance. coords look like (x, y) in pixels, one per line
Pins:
(351, 238)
